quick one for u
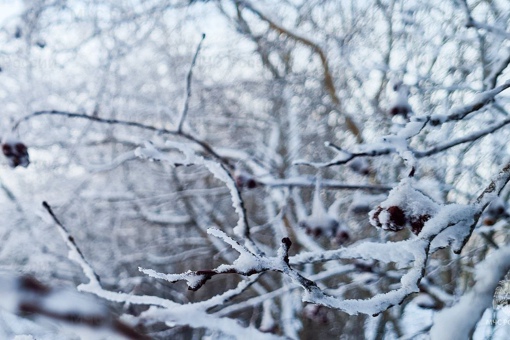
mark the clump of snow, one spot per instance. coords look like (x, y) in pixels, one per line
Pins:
(459, 321)
(400, 103)
(320, 221)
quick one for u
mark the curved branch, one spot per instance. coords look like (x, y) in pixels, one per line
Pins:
(329, 83)
(188, 86)
(162, 131)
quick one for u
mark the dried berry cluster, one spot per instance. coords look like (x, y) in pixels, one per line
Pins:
(319, 226)
(16, 153)
(395, 219)
(404, 207)
(325, 226)
(245, 181)
(494, 212)
(360, 166)
(400, 105)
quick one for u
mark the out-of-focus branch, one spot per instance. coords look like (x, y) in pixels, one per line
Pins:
(469, 138)
(497, 71)
(29, 297)
(481, 100)
(188, 87)
(329, 83)
(304, 182)
(460, 320)
(76, 254)
(207, 148)
(489, 28)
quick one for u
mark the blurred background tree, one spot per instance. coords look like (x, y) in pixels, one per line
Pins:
(273, 82)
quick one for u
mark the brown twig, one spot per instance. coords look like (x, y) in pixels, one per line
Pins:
(329, 83)
(207, 148)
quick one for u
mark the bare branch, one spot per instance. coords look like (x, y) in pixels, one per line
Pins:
(469, 138)
(76, 254)
(329, 83)
(163, 131)
(305, 182)
(188, 86)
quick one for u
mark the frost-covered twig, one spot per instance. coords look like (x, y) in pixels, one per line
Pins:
(164, 310)
(218, 170)
(469, 138)
(345, 156)
(207, 148)
(247, 264)
(75, 253)
(388, 144)
(188, 87)
(399, 142)
(308, 182)
(481, 100)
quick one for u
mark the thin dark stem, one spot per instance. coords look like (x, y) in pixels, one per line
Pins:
(164, 131)
(71, 243)
(188, 86)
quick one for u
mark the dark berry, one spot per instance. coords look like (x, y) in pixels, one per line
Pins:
(251, 183)
(397, 216)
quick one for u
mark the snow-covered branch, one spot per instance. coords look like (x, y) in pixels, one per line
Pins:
(459, 321)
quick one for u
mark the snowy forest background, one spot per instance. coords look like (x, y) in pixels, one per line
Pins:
(310, 169)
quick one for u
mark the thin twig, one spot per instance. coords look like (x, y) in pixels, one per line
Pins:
(164, 131)
(329, 83)
(188, 86)
(73, 247)
(469, 138)
(306, 182)
(482, 99)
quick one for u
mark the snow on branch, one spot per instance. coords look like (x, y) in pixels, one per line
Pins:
(75, 253)
(387, 144)
(481, 100)
(459, 321)
(399, 142)
(193, 315)
(218, 170)
(345, 156)
(205, 146)
(246, 264)
(466, 139)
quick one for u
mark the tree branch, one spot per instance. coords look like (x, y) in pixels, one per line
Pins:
(163, 131)
(76, 254)
(188, 87)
